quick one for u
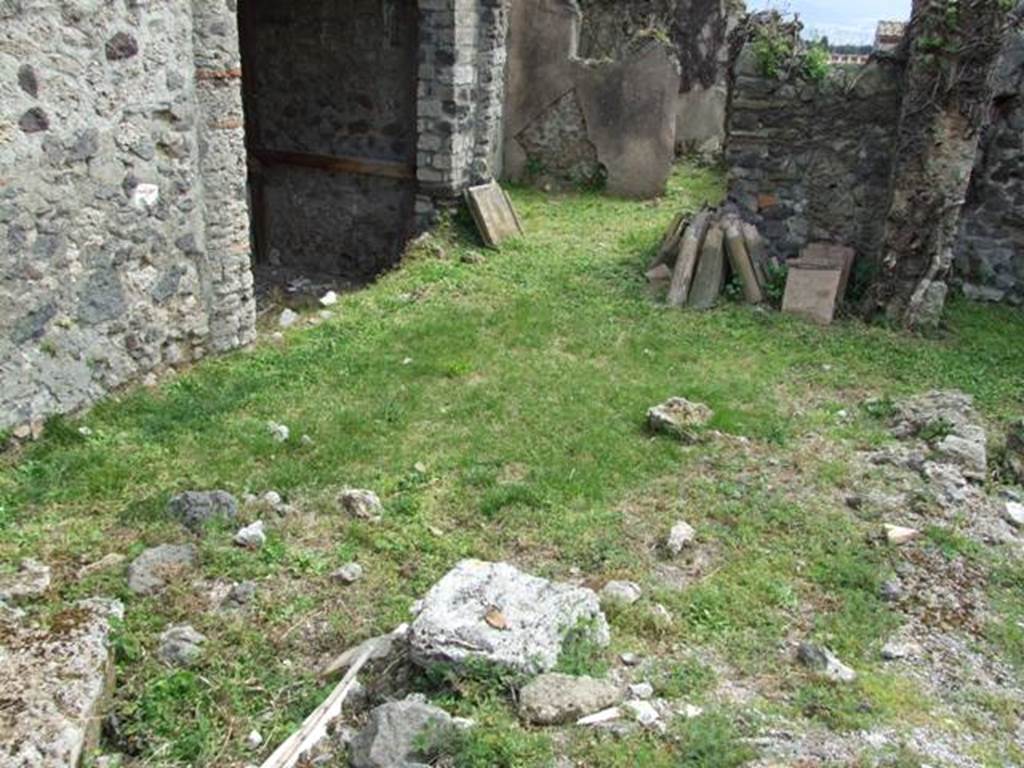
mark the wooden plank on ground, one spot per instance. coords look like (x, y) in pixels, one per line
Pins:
(669, 248)
(315, 727)
(710, 277)
(739, 259)
(812, 293)
(757, 249)
(493, 213)
(686, 264)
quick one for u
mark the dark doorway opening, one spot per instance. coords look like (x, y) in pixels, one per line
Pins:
(330, 91)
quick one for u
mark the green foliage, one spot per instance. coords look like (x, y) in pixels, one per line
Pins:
(581, 654)
(711, 741)
(683, 679)
(775, 274)
(495, 741)
(816, 63)
(773, 48)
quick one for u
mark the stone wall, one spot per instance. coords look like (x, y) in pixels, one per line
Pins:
(570, 121)
(122, 211)
(811, 160)
(698, 31)
(990, 254)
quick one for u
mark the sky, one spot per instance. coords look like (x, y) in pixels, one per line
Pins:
(844, 21)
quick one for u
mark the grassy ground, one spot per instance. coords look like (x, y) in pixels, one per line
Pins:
(497, 408)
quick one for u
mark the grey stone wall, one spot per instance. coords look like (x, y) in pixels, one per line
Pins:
(811, 160)
(111, 257)
(124, 212)
(990, 253)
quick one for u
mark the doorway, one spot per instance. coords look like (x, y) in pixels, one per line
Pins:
(330, 94)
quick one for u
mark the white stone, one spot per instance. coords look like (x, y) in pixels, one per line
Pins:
(679, 417)
(495, 613)
(145, 197)
(57, 683)
(689, 711)
(898, 535)
(252, 536)
(31, 580)
(623, 592)
(681, 536)
(1014, 514)
(288, 318)
(599, 718)
(348, 574)
(329, 299)
(279, 432)
(641, 691)
(254, 740)
(361, 503)
(644, 712)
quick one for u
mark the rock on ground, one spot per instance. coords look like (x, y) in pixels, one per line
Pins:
(621, 592)
(825, 663)
(680, 418)
(948, 420)
(197, 508)
(496, 613)
(349, 573)
(555, 699)
(362, 504)
(252, 536)
(151, 571)
(181, 646)
(240, 595)
(680, 537)
(397, 732)
(1014, 514)
(32, 579)
(53, 683)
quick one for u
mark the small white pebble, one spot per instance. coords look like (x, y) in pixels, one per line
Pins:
(288, 318)
(254, 740)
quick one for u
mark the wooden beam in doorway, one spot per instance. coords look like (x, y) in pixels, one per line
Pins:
(355, 165)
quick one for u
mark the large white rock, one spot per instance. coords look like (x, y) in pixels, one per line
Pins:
(53, 683)
(494, 612)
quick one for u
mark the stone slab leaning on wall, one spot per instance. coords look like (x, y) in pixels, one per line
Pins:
(616, 118)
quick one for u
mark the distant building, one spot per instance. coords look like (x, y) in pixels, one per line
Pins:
(848, 58)
(889, 35)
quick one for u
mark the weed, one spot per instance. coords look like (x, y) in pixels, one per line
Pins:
(683, 679)
(581, 653)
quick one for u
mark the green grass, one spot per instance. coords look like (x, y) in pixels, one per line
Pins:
(524, 400)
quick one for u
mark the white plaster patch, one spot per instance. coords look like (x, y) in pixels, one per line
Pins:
(145, 197)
